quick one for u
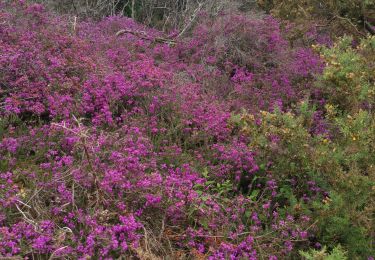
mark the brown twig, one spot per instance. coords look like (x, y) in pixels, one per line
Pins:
(32, 222)
(144, 36)
(54, 252)
(328, 23)
(344, 19)
(191, 21)
(350, 22)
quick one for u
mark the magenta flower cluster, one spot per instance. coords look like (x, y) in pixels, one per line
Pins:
(117, 141)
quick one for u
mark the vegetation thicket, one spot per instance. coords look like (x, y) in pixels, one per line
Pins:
(236, 136)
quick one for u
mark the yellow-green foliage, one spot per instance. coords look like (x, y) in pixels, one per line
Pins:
(295, 152)
(342, 163)
(292, 10)
(349, 76)
(337, 254)
(333, 17)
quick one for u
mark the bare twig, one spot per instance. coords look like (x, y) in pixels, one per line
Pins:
(144, 36)
(350, 22)
(74, 23)
(32, 222)
(191, 21)
(57, 250)
(343, 19)
(23, 203)
(133, 9)
(35, 193)
(162, 228)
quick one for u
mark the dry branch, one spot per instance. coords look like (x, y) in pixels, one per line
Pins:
(191, 21)
(343, 19)
(144, 36)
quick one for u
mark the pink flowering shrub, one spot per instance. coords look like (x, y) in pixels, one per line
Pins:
(119, 145)
(263, 69)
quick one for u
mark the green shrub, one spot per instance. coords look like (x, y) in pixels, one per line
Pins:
(297, 10)
(348, 79)
(340, 161)
(337, 254)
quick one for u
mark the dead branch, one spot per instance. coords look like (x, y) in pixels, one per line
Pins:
(350, 22)
(144, 36)
(32, 222)
(192, 19)
(57, 250)
(343, 19)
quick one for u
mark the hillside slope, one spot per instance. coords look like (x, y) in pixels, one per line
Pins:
(120, 141)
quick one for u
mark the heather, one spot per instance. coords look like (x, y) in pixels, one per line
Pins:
(122, 141)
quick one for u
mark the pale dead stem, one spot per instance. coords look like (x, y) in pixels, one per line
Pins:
(143, 35)
(146, 238)
(35, 225)
(133, 9)
(32, 222)
(162, 228)
(23, 203)
(74, 23)
(147, 252)
(28, 220)
(83, 135)
(54, 252)
(343, 19)
(191, 20)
